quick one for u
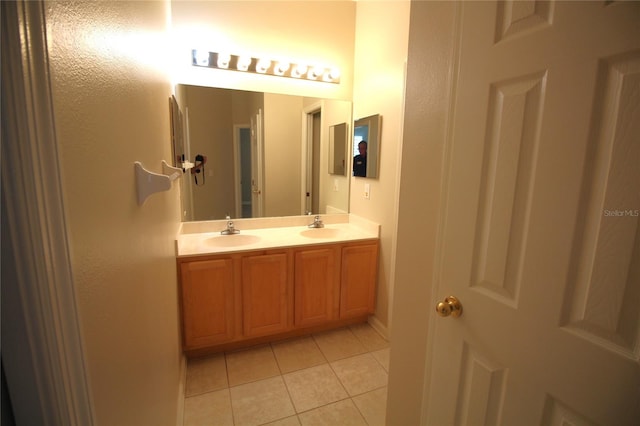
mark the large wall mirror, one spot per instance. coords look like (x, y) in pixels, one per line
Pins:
(366, 146)
(257, 154)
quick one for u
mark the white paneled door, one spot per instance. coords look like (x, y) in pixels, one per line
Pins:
(257, 161)
(540, 236)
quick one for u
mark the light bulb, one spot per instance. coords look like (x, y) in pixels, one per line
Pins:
(263, 65)
(299, 71)
(315, 73)
(243, 63)
(333, 74)
(201, 57)
(281, 68)
(223, 60)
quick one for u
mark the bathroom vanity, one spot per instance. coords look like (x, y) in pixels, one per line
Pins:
(273, 282)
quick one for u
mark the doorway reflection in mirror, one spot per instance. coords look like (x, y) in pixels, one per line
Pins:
(360, 160)
(366, 146)
(338, 140)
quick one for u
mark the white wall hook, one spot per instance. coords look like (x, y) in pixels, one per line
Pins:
(173, 172)
(148, 183)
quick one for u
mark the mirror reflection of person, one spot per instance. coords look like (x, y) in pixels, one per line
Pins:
(360, 160)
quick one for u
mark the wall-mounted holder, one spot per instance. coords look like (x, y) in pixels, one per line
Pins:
(187, 165)
(148, 183)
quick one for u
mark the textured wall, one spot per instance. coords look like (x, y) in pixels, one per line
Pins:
(110, 98)
(381, 51)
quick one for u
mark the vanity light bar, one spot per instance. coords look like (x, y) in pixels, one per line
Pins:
(264, 66)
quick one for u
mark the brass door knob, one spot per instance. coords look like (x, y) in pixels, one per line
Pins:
(450, 307)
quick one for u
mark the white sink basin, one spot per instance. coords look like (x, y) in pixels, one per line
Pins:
(321, 232)
(233, 240)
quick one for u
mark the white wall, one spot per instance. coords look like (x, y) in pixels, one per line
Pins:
(382, 30)
(110, 97)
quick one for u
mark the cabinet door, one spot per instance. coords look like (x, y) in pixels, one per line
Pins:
(316, 280)
(358, 280)
(265, 294)
(207, 302)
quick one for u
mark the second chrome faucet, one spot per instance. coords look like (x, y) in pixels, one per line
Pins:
(317, 223)
(231, 229)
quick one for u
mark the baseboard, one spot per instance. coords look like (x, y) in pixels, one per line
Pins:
(243, 343)
(379, 327)
(182, 385)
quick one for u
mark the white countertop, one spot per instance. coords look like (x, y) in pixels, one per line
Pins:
(201, 238)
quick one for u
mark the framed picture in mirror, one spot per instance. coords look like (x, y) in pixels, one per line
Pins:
(366, 146)
(338, 140)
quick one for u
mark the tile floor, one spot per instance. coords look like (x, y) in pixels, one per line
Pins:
(337, 377)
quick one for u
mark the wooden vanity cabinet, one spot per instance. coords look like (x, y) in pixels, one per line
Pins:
(266, 294)
(359, 272)
(317, 285)
(237, 299)
(233, 297)
(207, 293)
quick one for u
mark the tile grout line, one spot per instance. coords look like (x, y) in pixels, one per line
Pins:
(226, 370)
(368, 350)
(286, 387)
(329, 363)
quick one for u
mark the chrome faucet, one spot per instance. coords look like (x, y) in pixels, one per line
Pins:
(231, 229)
(317, 223)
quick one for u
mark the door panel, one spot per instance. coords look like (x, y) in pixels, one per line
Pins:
(316, 278)
(359, 272)
(540, 237)
(257, 141)
(602, 304)
(265, 294)
(207, 294)
(510, 150)
(481, 389)
(514, 18)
